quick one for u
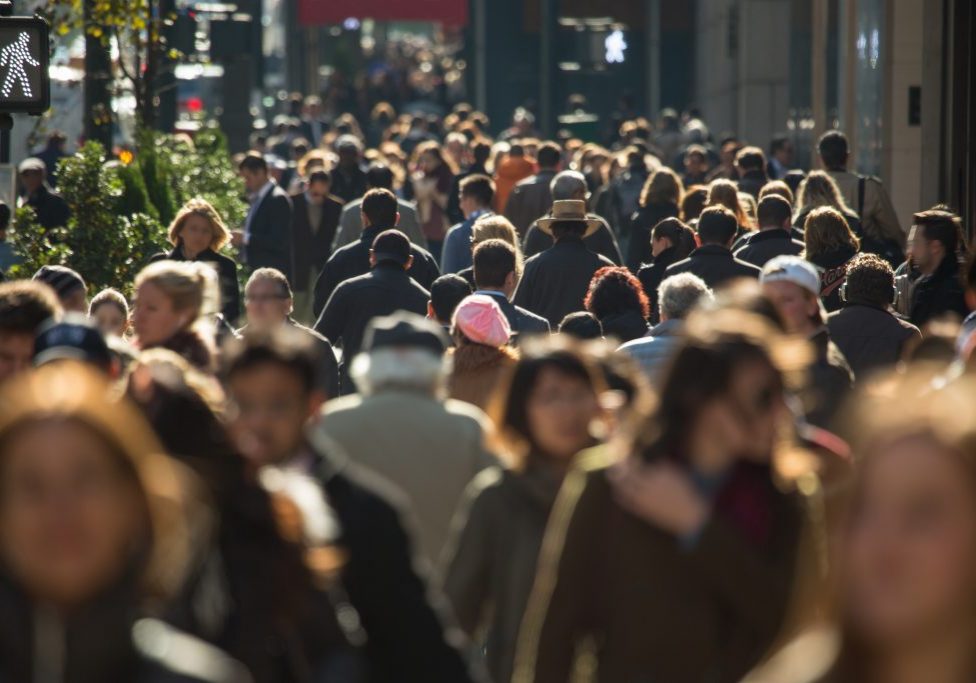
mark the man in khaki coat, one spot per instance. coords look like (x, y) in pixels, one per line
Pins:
(401, 428)
(865, 194)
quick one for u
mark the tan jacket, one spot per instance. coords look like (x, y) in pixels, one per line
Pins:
(878, 217)
(430, 449)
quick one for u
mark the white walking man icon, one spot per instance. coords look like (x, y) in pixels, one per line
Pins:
(14, 57)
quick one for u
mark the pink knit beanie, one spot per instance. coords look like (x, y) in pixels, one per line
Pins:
(481, 320)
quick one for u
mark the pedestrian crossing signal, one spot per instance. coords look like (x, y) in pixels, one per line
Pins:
(24, 54)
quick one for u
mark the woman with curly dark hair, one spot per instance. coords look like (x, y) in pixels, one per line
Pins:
(618, 301)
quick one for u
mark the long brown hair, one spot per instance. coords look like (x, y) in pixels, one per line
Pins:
(204, 209)
(662, 187)
(725, 193)
(825, 230)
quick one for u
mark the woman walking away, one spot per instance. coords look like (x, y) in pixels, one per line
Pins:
(660, 199)
(198, 233)
(171, 303)
(829, 245)
(481, 353)
(676, 560)
(431, 183)
(96, 537)
(671, 241)
(544, 416)
(618, 301)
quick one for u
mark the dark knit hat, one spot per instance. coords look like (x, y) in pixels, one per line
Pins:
(61, 279)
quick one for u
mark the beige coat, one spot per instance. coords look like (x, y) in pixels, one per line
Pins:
(428, 448)
(878, 217)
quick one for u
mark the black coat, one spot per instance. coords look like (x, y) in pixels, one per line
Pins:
(870, 338)
(830, 381)
(651, 276)
(352, 261)
(714, 264)
(752, 182)
(641, 225)
(761, 247)
(327, 379)
(50, 208)
(407, 641)
(624, 327)
(938, 293)
(226, 267)
(349, 183)
(269, 245)
(382, 291)
(555, 282)
(312, 249)
(601, 242)
(522, 322)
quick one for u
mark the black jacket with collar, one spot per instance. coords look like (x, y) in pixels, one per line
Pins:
(523, 323)
(555, 282)
(384, 290)
(311, 249)
(939, 293)
(652, 275)
(51, 209)
(226, 267)
(269, 243)
(406, 635)
(761, 247)
(714, 264)
(352, 261)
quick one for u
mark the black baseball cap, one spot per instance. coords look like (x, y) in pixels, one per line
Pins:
(74, 337)
(405, 330)
(391, 245)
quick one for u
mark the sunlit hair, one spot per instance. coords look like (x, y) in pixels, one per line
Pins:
(824, 230)
(109, 297)
(312, 160)
(614, 289)
(202, 208)
(434, 149)
(495, 227)
(662, 187)
(750, 207)
(725, 193)
(819, 189)
(191, 287)
(777, 187)
(400, 368)
(73, 392)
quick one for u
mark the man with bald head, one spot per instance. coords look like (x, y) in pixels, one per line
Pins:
(572, 185)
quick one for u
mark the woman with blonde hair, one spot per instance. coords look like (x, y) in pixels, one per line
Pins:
(829, 245)
(660, 198)
(171, 308)
(198, 233)
(97, 536)
(725, 193)
(819, 189)
(494, 227)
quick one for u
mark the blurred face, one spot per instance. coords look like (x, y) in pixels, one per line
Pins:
(153, 316)
(925, 254)
(317, 193)
(70, 518)
(32, 180)
(197, 235)
(253, 180)
(694, 164)
(746, 419)
(560, 410)
(428, 162)
(785, 153)
(266, 304)
(110, 320)
(16, 353)
(911, 546)
(795, 305)
(270, 408)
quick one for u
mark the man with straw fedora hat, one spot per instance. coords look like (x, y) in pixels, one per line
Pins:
(554, 283)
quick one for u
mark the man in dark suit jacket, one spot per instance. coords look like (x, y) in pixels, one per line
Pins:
(531, 198)
(314, 223)
(379, 214)
(713, 262)
(384, 290)
(495, 275)
(774, 237)
(265, 241)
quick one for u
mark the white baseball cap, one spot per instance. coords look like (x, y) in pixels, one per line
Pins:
(793, 269)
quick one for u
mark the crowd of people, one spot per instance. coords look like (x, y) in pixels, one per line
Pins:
(496, 408)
